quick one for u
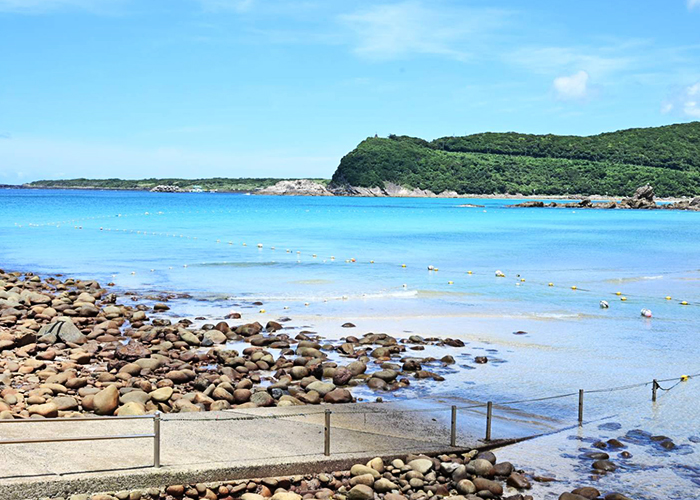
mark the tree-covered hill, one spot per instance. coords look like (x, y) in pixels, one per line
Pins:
(499, 163)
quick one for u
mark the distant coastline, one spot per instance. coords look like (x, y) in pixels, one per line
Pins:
(278, 189)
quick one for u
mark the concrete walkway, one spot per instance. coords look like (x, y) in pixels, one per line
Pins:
(201, 447)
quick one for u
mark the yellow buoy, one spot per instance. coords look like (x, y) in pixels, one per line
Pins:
(522, 280)
(684, 303)
(618, 293)
(435, 269)
(371, 262)
(684, 378)
(469, 272)
(450, 282)
(262, 311)
(623, 298)
(573, 287)
(550, 284)
(403, 265)
(668, 297)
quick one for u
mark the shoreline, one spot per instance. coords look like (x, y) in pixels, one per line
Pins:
(110, 353)
(595, 198)
(182, 381)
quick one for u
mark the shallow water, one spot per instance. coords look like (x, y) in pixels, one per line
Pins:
(570, 343)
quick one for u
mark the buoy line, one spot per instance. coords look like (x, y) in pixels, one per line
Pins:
(353, 260)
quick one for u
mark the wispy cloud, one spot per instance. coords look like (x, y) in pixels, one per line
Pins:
(693, 3)
(5, 135)
(400, 30)
(227, 5)
(685, 102)
(47, 6)
(573, 87)
(596, 61)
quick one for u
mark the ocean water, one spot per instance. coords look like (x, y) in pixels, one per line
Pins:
(325, 261)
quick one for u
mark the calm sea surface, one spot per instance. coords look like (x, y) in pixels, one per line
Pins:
(195, 243)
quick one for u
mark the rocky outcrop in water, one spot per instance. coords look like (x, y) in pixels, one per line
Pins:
(643, 199)
(165, 188)
(298, 187)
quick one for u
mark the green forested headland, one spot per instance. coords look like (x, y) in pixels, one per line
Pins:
(613, 163)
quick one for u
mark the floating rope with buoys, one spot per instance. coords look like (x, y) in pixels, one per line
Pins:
(352, 260)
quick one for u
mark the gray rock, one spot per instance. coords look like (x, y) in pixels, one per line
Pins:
(322, 388)
(61, 328)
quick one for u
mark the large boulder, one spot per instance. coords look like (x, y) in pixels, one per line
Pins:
(322, 388)
(131, 408)
(337, 396)
(47, 410)
(422, 465)
(131, 351)
(643, 198)
(61, 328)
(106, 401)
(360, 492)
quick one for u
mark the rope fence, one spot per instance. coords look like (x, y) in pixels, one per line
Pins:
(158, 418)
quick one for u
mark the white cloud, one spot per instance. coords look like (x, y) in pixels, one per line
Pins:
(573, 87)
(598, 61)
(685, 101)
(693, 3)
(396, 31)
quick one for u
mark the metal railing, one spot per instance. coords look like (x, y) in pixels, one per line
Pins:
(327, 413)
(155, 435)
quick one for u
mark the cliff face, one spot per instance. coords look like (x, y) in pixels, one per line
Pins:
(389, 189)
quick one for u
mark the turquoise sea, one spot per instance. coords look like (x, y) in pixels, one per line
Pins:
(325, 261)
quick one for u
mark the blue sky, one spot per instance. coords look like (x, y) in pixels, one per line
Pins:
(237, 88)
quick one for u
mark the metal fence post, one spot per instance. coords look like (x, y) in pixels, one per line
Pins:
(327, 435)
(580, 407)
(489, 411)
(654, 387)
(453, 428)
(156, 439)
